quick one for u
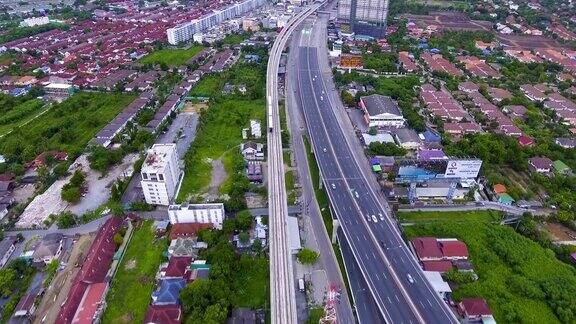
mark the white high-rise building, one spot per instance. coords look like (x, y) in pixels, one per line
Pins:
(186, 31)
(161, 172)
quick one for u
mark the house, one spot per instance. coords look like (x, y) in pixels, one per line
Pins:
(160, 227)
(24, 311)
(49, 248)
(381, 111)
(242, 316)
(183, 247)
(252, 150)
(407, 138)
(168, 292)
(499, 188)
(163, 314)
(540, 164)
(505, 199)
(7, 247)
(438, 266)
(566, 142)
(561, 167)
(430, 136)
(524, 140)
(474, 309)
(177, 267)
(187, 230)
(91, 304)
(433, 249)
(437, 282)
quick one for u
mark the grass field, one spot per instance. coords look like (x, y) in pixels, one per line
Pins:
(234, 39)
(521, 281)
(289, 180)
(219, 131)
(171, 57)
(134, 282)
(19, 115)
(66, 126)
(429, 216)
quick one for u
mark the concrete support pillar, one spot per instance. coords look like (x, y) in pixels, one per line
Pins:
(335, 226)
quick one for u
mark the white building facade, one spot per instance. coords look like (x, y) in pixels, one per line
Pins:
(185, 32)
(161, 173)
(197, 213)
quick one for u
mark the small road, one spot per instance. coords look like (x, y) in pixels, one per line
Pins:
(487, 205)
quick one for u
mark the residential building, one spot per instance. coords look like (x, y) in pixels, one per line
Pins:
(252, 151)
(475, 309)
(255, 128)
(437, 282)
(24, 311)
(91, 305)
(161, 173)
(540, 164)
(163, 314)
(176, 267)
(197, 213)
(187, 230)
(186, 31)
(366, 17)
(433, 249)
(561, 167)
(184, 247)
(381, 111)
(7, 247)
(566, 142)
(242, 316)
(50, 248)
(35, 21)
(58, 91)
(407, 138)
(168, 292)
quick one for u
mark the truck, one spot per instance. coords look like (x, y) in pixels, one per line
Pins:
(301, 284)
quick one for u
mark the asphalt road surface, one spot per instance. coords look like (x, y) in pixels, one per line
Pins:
(382, 256)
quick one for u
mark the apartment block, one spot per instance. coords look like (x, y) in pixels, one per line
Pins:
(161, 172)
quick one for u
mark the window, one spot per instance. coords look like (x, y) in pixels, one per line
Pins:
(160, 177)
(145, 176)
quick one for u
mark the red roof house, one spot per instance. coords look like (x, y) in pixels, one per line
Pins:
(524, 140)
(426, 248)
(453, 249)
(94, 269)
(438, 266)
(90, 303)
(474, 308)
(165, 314)
(433, 249)
(178, 267)
(183, 230)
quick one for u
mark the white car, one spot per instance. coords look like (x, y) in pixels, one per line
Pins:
(381, 216)
(356, 194)
(324, 149)
(410, 279)
(374, 219)
(333, 186)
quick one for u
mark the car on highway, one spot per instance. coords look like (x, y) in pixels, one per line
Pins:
(410, 279)
(374, 219)
(356, 194)
(324, 150)
(381, 216)
(333, 186)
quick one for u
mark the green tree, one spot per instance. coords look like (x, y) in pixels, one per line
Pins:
(66, 220)
(244, 237)
(70, 194)
(243, 220)
(307, 256)
(215, 314)
(196, 295)
(7, 281)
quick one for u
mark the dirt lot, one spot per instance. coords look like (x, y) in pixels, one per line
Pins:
(561, 232)
(449, 21)
(58, 290)
(194, 107)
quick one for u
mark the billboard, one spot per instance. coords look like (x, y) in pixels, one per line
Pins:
(464, 169)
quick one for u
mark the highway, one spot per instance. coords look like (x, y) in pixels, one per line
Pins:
(282, 286)
(370, 231)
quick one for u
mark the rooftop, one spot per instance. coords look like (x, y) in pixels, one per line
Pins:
(158, 157)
